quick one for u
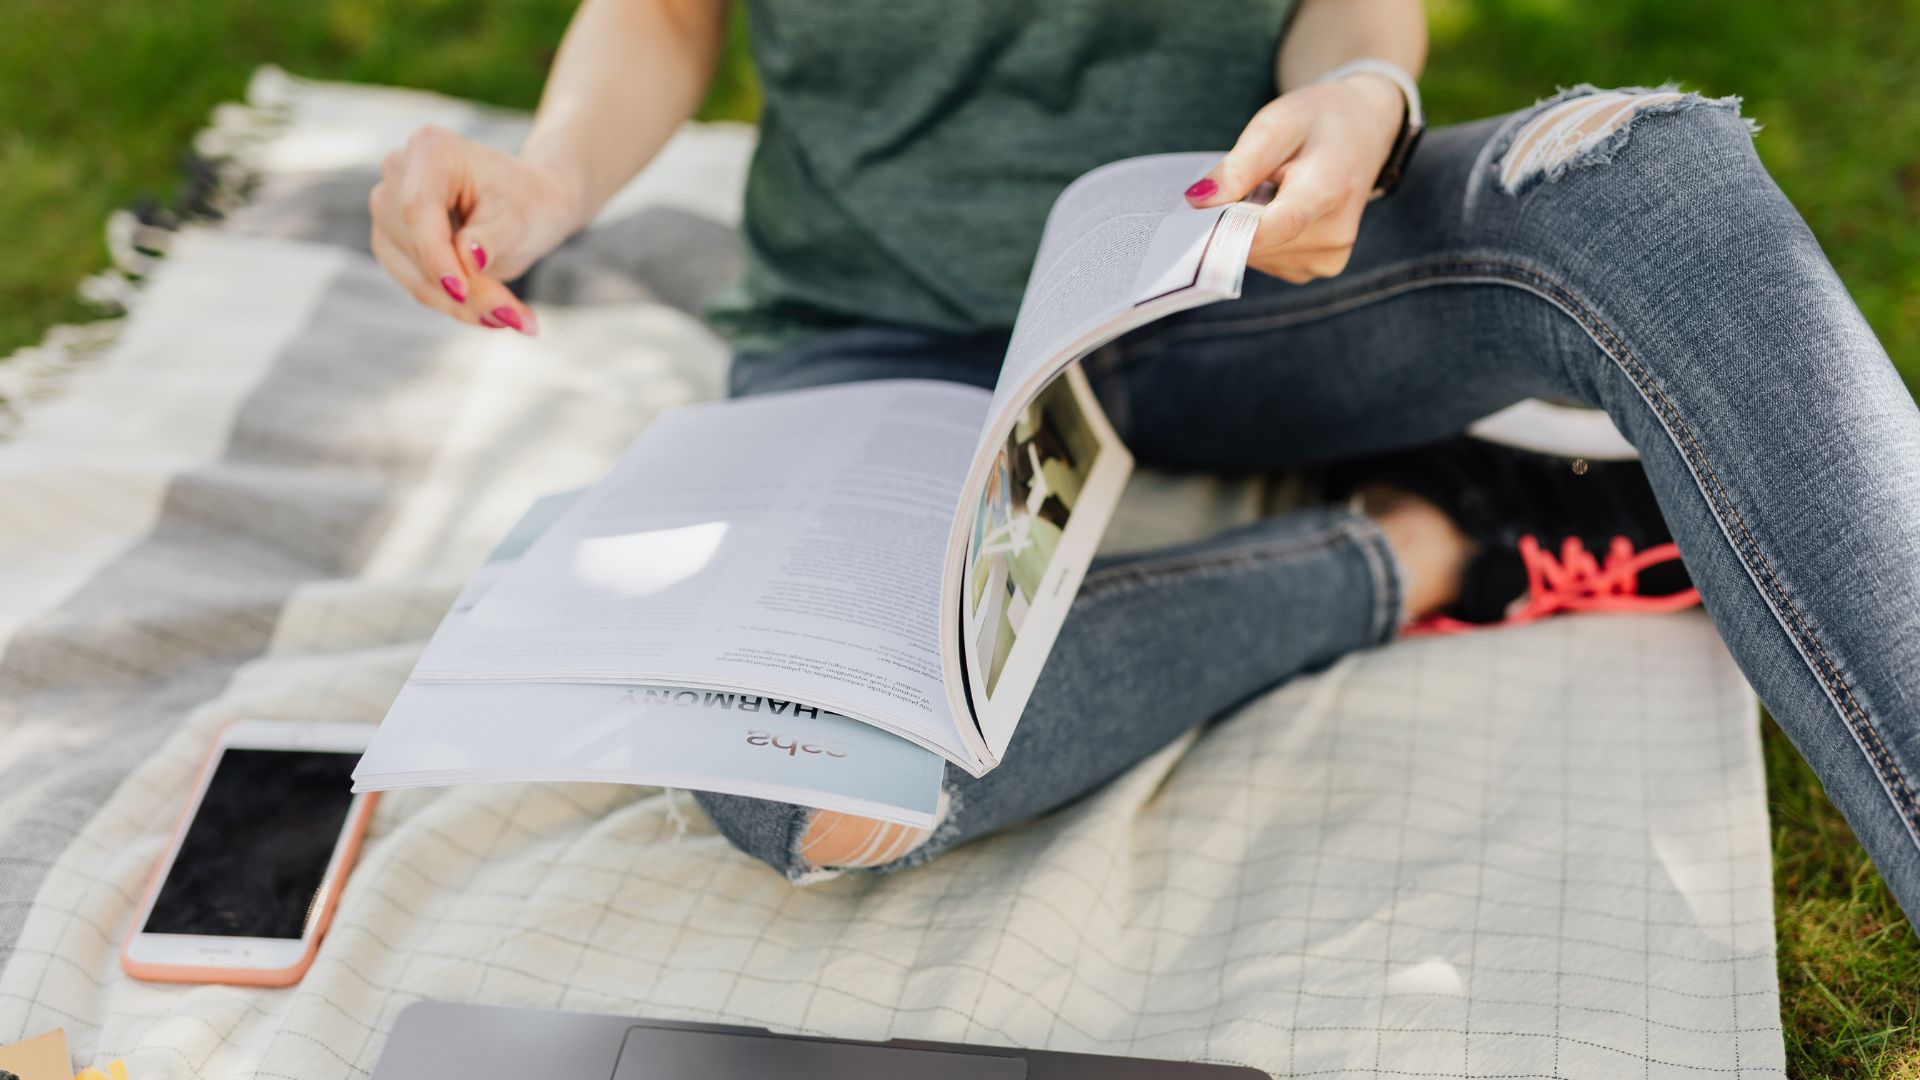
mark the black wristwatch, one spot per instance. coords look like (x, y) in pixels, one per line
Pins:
(1412, 122)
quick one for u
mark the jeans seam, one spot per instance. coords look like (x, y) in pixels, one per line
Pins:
(1852, 713)
(1388, 591)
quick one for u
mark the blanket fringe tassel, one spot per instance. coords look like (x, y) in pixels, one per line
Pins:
(220, 175)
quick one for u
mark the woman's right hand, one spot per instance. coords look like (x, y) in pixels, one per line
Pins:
(453, 220)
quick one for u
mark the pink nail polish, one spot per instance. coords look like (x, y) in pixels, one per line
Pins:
(490, 324)
(1202, 189)
(479, 255)
(454, 288)
(508, 317)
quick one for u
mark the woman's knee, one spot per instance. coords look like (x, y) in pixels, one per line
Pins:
(801, 843)
(1586, 128)
(835, 841)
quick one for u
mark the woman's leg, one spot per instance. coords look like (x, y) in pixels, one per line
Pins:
(1626, 251)
(1156, 643)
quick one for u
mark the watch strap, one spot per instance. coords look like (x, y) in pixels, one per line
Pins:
(1412, 122)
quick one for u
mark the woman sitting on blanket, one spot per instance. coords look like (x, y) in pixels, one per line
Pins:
(1621, 249)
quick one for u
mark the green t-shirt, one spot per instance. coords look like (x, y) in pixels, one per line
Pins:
(909, 151)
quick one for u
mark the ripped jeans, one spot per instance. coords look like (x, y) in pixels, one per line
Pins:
(1623, 250)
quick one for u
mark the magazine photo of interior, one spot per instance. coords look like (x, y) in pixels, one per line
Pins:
(1030, 495)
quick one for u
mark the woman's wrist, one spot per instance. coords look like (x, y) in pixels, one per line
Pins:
(1392, 100)
(1384, 96)
(565, 177)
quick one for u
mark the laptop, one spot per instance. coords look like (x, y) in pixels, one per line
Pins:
(491, 1042)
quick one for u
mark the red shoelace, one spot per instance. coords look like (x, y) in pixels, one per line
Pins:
(1577, 581)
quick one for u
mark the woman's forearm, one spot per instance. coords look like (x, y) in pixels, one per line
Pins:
(1328, 33)
(628, 73)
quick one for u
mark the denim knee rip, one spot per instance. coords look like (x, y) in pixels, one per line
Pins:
(903, 850)
(1584, 126)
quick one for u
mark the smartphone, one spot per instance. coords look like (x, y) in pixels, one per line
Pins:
(254, 869)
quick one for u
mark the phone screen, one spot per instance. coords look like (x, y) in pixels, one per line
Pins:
(258, 847)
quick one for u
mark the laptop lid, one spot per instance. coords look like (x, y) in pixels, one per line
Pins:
(492, 1042)
(657, 1053)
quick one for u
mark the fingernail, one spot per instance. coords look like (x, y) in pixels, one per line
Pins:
(454, 288)
(479, 255)
(1202, 189)
(509, 317)
(490, 324)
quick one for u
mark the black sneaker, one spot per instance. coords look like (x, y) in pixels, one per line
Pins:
(1551, 534)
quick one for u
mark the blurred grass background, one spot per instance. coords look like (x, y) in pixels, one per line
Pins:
(99, 100)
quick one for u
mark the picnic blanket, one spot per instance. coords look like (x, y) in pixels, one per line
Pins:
(1533, 852)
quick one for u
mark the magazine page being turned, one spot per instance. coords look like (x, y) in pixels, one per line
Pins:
(1121, 249)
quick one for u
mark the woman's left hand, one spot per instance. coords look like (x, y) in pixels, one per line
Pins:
(1323, 145)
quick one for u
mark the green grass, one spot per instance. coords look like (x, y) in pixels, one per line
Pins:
(1849, 965)
(98, 100)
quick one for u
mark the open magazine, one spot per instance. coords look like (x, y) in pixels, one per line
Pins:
(899, 554)
(440, 733)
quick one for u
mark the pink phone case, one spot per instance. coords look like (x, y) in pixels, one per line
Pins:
(286, 976)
